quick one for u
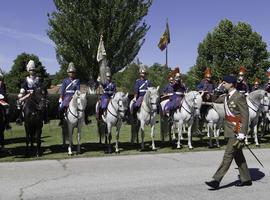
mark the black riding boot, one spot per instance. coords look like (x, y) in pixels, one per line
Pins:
(19, 120)
(170, 119)
(134, 114)
(61, 116)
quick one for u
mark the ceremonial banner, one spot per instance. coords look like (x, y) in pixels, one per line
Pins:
(165, 38)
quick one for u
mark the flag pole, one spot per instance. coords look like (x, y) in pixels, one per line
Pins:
(167, 45)
(166, 56)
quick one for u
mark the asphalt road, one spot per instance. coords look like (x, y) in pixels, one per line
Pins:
(152, 176)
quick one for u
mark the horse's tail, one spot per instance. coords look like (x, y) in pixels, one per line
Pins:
(65, 131)
(164, 124)
(101, 129)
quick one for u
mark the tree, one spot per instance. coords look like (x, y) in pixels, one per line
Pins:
(77, 24)
(18, 72)
(227, 48)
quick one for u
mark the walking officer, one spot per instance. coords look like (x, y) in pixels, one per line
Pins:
(235, 129)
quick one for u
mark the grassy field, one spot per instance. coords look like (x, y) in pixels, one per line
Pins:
(52, 147)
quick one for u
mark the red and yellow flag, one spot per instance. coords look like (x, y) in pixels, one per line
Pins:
(165, 38)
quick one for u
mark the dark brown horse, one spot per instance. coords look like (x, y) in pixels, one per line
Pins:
(33, 111)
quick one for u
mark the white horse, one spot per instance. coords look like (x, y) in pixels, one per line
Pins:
(215, 120)
(74, 118)
(258, 101)
(190, 107)
(115, 113)
(147, 113)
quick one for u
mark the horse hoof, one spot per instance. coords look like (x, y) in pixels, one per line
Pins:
(179, 147)
(117, 152)
(190, 148)
(154, 149)
(258, 146)
(69, 153)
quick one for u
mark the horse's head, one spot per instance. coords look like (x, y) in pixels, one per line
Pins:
(194, 101)
(79, 100)
(38, 99)
(265, 102)
(257, 97)
(152, 98)
(122, 103)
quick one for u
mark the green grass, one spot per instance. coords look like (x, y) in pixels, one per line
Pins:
(52, 147)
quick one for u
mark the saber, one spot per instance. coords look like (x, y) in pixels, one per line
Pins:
(254, 155)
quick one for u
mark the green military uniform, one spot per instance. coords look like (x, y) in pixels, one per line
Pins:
(237, 105)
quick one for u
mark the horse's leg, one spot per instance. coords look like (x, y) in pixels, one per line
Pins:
(38, 135)
(210, 133)
(180, 129)
(109, 137)
(256, 135)
(217, 136)
(63, 132)
(27, 143)
(79, 137)
(118, 126)
(153, 135)
(246, 138)
(142, 134)
(190, 137)
(70, 135)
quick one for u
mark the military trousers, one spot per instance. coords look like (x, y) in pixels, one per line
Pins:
(230, 154)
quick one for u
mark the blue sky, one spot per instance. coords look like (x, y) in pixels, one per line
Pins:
(23, 25)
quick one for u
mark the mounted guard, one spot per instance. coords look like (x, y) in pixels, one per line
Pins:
(140, 89)
(67, 90)
(31, 83)
(206, 86)
(109, 89)
(3, 100)
(178, 93)
(241, 85)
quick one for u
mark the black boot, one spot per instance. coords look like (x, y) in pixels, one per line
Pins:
(61, 117)
(171, 113)
(134, 114)
(19, 120)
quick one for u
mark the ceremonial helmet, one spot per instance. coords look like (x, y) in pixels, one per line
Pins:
(170, 78)
(242, 71)
(71, 68)
(30, 66)
(207, 73)
(108, 74)
(256, 81)
(142, 69)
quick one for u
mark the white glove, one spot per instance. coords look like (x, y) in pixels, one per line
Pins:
(240, 136)
(60, 100)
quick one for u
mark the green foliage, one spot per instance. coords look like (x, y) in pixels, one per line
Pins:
(18, 72)
(76, 27)
(158, 75)
(227, 48)
(125, 81)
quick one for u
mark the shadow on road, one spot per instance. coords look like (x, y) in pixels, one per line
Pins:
(255, 174)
